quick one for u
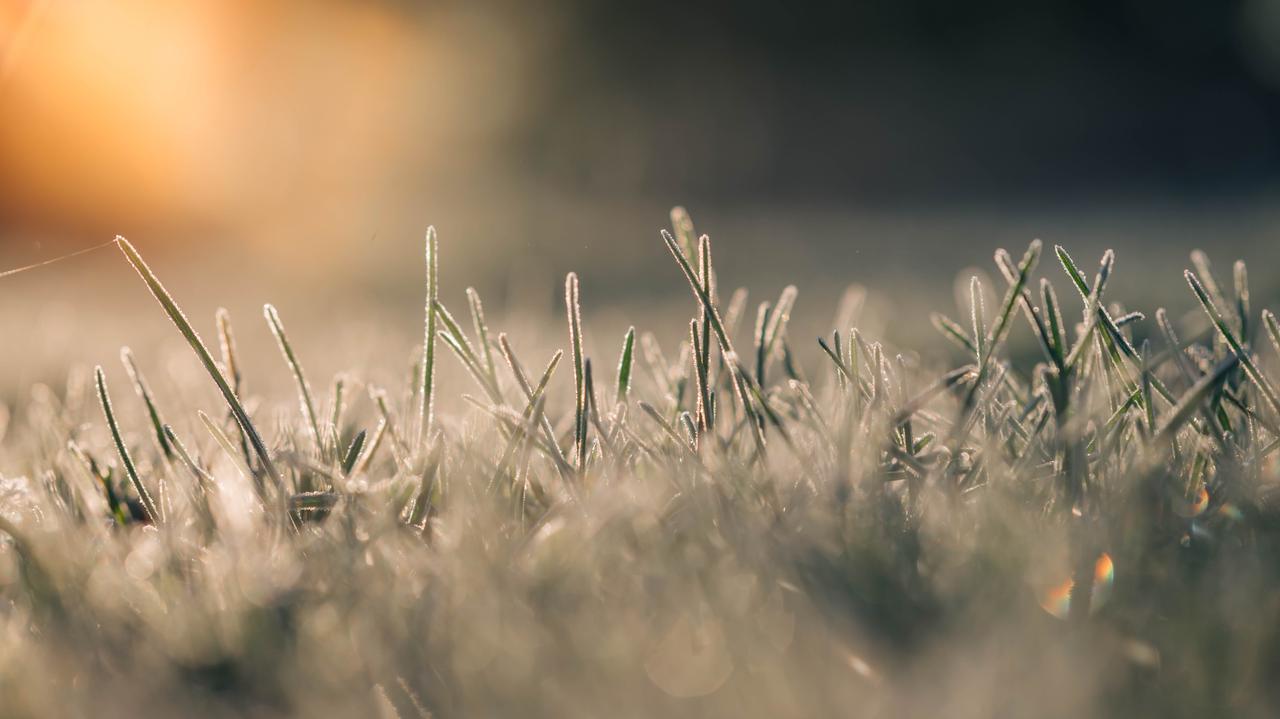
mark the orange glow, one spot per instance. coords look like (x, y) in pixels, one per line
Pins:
(102, 113)
(135, 112)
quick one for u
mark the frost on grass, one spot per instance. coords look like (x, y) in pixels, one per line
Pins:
(761, 527)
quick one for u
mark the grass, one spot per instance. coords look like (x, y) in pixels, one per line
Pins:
(843, 528)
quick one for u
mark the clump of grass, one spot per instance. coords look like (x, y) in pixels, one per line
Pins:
(851, 527)
(197, 345)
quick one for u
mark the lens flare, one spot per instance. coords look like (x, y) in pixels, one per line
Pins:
(1231, 512)
(1184, 507)
(1057, 600)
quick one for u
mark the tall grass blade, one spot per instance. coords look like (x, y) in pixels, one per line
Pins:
(776, 329)
(573, 308)
(703, 393)
(426, 380)
(726, 346)
(708, 286)
(482, 334)
(299, 377)
(227, 345)
(197, 345)
(231, 368)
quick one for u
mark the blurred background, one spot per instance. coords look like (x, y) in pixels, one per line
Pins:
(295, 151)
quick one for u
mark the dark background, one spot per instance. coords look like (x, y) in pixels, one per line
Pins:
(912, 100)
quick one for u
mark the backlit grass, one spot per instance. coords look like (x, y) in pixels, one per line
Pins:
(749, 524)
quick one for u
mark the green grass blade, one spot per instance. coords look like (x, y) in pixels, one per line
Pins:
(148, 504)
(461, 349)
(573, 308)
(530, 394)
(231, 368)
(776, 330)
(1053, 319)
(625, 361)
(703, 297)
(337, 406)
(708, 286)
(762, 323)
(426, 378)
(371, 448)
(726, 346)
(299, 377)
(184, 457)
(952, 330)
(1191, 401)
(1240, 275)
(353, 453)
(1073, 272)
(144, 391)
(1200, 261)
(835, 357)
(978, 319)
(988, 347)
(197, 345)
(1005, 263)
(482, 334)
(703, 393)
(1273, 329)
(227, 344)
(225, 443)
(1246, 361)
(399, 447)
(114, 506)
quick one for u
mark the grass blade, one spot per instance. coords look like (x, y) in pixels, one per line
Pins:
(197, 345)
(148, 504)
(726, 346)
(353, 453)
(1246, 361)
(426, 380)
(1273, 329)
(573, 308)
(231, 367)
(625, 361)
(952, 330)
(371, 448)
(299, 378)
(184, 456)
(1190, 402)
(482, 334)
(144, 391)
(530, 394)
